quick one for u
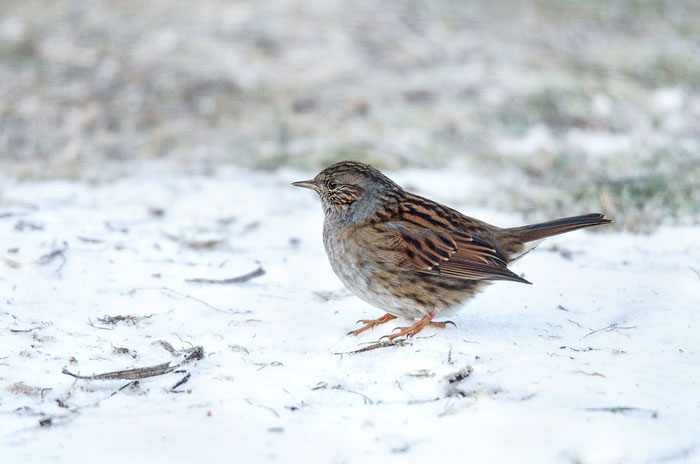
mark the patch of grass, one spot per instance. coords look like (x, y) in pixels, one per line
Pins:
(664, 187)
(606, 11)
(18, 53)
(239, 349)
(360, 153)
(667, 70)
(557, 107)
(318, 160)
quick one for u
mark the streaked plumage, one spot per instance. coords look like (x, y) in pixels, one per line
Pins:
(410, 256)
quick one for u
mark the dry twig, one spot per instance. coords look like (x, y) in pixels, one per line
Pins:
(184, 295)
(609, 328)
(194, 243)
(50, 256)
(112, 320)
(374, 346)
(180, 382)
(195, 354)
(625, 409)
(233, 280)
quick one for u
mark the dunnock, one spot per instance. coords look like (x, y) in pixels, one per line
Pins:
(410, 256)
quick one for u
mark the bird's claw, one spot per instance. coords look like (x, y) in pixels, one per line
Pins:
(370, 324)
(442, 325)
(411, 331)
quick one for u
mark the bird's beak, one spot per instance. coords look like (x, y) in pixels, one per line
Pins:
(309, 184)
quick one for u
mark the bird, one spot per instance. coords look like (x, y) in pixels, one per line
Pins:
(413, 257)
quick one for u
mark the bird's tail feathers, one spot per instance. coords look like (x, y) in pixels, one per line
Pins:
(558, 226)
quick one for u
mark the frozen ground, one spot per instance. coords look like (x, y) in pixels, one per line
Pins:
(596, 362)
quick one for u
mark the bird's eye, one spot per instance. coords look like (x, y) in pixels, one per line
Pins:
(332, 184)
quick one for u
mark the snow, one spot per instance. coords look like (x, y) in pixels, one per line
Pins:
(611, 322)
(667, 100)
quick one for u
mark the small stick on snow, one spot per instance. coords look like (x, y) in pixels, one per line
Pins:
(233, 280)
(263, 406)
(96, 327)
(180, 382)
(184, 295)
(142, 372)
(58, 252)
(365, 398)
(608, 329)
(129, 374)
(625, 409)
(168, 347)
(594, 374)
(112, 320)
(384, 344)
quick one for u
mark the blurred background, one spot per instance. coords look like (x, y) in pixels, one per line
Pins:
(569, 107)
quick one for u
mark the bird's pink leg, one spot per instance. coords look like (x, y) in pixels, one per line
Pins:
(372, 323)
(411, 331)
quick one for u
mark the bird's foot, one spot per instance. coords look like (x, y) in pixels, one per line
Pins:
(372, 323)
(411, 331)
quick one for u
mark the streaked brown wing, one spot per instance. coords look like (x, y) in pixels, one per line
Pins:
(451, 253)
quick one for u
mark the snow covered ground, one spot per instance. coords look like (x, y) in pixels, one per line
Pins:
(597, 362)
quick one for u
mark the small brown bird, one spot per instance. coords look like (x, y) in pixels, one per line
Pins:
(413, 257)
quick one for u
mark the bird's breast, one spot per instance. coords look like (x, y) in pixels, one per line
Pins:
(344, 256)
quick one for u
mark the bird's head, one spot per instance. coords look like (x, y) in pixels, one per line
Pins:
(345, 187)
